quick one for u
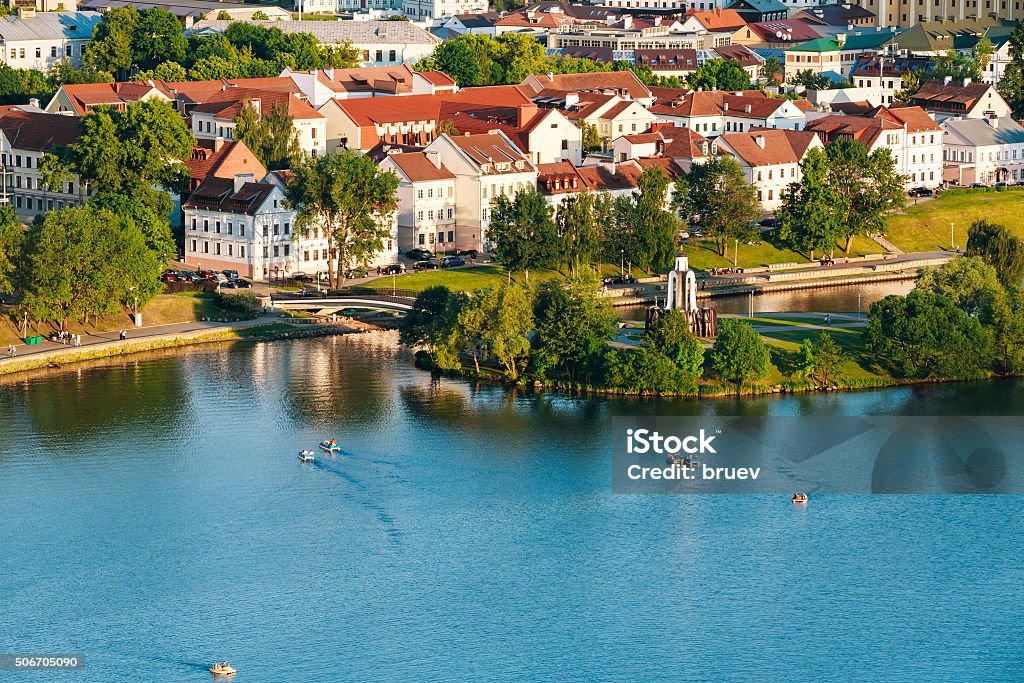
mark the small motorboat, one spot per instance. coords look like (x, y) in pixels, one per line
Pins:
(222, 670)
(306, 456)
(799, 499)
(330, 447)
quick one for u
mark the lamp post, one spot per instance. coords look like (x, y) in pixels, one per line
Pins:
(136, 318)
(952, 237)
(751, 314)
(393, 290)
(622, 262)
(859, 315)
(735, 253)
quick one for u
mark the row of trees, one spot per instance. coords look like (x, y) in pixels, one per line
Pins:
(964, 320)
(560, 331)
(477, 60)
(587, 228)
(129, 43)
(84, 263)
(844, 191)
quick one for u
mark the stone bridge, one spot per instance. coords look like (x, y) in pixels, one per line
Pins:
(325, 303)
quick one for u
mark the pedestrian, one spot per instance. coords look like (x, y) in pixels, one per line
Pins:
(11, 351)
(123, 335)
(78, 340)
(828, 320)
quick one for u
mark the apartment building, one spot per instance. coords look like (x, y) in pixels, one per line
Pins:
(987, 150)
(770, 159)
(426, 201)
(41, 40)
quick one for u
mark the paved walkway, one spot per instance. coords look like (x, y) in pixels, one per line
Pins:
(886, 244)
(95, 339)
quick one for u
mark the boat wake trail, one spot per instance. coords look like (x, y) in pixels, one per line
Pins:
(362, 495)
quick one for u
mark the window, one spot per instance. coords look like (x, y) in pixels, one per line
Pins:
(421, 239)
(287, 227)
(392, 56)
(450, 213)
(67, 50)
(53, 50)
(430, 193)
(451, 235)
(419, 193)
(241, 250)
(193, 246)
(39, 52)
(193, 226)
(241, 229)
(380, 55)
(265, 252)
(71, 187)
(266, 230)
(419, 216)
(305, 255)
(218, 227)
(440, 237)
(206, 226)
(230, 249)
(287, 249)
(277, 228)
(230, 228)
(430, 215)
(312, 133)
(216, 248)
(206, 247)
(277, 251)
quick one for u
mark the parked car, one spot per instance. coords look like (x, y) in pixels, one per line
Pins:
(471, 253)
(353, 273)
(920, 192)
(419, 254)
(228, 284)
(769, 223)
(424, 265)
(231, 274)
(977, 185)
(302, 277)
(208, 275)
(684, 235)
(170, 276)
(452, 261)
(392, 269)
(188, 276)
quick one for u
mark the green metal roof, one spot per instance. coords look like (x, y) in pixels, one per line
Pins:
(864, 41)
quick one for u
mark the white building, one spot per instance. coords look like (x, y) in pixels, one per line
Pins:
(989, 150)
(426, 201)
(380, 42)
(485, 167)
(428, 10)
(770, 159)
(712, 113)
(26, 135)
(215, 118)
(241, 224)
(31, 40)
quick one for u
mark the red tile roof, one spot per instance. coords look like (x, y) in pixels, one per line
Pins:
(624, 81)
(219, 194)
(745, 103)
(787, 31)
(780, 146)
(36, 131)
(492, 149)
(560, 177)
(419, 168)
(397, 79)
(228, 102)
(860, 128)
(915, 118)
(384, 110)
(85, 95)
(718, 19)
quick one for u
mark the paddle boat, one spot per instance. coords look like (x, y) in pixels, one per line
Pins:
(330, 446)
(222, 669)
(799, 499)
(306, 456)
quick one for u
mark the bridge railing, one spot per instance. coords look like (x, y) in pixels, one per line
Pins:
(399, 296)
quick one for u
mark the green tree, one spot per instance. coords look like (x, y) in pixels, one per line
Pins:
(164, 71)
(924, 335)
(671, 336)
(446, 127)
(739, 354)
(260, 15)
(968, 283)
(125, 155)
(1011, 85)
(579, 236)
(509, 311)
(157, 38)
(719, 74)
(572, 327)
(996, 246)
(821, 360)
(223, 15)
(64, 73)
(523, 231)
(16, 85)
(468, 59)
(424, 325)
(518, 55)
(591, 138)
(12, 238)
(271, 136)
(809, 218)
(653, 228)
(867, 187)
(349, 198)
(717, 197)
(645, 371)
(772, 66)
(110, 49)
(85, 263)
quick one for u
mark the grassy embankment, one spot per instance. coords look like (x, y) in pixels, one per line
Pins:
(925, 226)
(163, 310)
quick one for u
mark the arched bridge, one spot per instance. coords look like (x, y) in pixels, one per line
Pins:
(332, 302)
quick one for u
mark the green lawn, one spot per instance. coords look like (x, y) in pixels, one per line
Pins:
(704, 255)
(925, 227)
(784, 338)
(468, 279)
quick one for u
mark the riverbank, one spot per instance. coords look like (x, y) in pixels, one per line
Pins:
(263, 329)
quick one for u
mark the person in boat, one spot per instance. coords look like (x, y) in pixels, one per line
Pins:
(333, 442)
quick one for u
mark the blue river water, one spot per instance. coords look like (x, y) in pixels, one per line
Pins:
(154, 518)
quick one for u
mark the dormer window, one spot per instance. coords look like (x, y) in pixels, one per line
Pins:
(502, 167)
(485, 168)
(519, 164)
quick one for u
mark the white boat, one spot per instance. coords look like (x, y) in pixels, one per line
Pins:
(222, 670)
(306, 456)
(329, 447)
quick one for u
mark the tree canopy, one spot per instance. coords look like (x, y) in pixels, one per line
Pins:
(719, 74)
(349, 198)
(810, 218)
(522, 230)
(739, 354)
(270, 135)
(716, 196)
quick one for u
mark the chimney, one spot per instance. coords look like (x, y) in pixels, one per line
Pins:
(967, 82)
(218, 142)
(760, 141)
(524, 114)
(435, 158)
(725, 106)
(746, 109)
(993, 121)
(329, 72)
(27, 12)
(242, 179)
(627, 22)
(947, 80)
(841, 39)
(34, 102)
(571, 99)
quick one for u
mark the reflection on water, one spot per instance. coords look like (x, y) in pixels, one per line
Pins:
(155, 517)
(842, 299)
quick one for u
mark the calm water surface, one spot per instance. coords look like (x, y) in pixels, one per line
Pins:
(154, 517)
